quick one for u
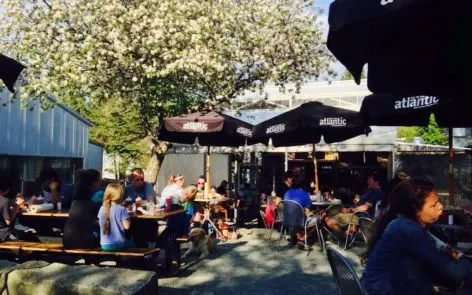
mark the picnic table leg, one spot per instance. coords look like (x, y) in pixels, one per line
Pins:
(172, 252)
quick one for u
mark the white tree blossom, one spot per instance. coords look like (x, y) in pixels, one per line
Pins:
(161, 57)
(105, 49)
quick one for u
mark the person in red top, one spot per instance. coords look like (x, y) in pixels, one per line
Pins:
(270, 211)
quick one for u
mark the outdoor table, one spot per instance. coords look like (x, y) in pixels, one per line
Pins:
(324, 204)
(319, 206)
(160, 215)
(206, 215)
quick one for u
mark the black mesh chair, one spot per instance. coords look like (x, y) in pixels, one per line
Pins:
(366, 228)
(351, 238)
(347, 281)
(293, 217)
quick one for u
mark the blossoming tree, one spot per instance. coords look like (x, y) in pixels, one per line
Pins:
(161, 57)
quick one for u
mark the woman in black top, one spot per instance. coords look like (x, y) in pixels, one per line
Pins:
(222, 189)
(81, 226)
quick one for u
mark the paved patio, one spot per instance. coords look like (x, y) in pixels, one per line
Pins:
(250, 266)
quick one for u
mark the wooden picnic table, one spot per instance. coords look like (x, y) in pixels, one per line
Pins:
(161, 215)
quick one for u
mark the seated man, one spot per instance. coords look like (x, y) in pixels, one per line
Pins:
(139, 187)
(142, 231)
(300, 196)
(367, 204)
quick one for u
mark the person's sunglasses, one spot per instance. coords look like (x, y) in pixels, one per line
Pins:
(138, 179)
(200, 183)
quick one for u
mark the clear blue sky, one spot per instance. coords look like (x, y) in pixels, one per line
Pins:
(323, 4)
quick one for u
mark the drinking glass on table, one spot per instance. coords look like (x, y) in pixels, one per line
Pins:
(151, 208)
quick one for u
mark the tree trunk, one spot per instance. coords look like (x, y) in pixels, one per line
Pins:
(158, 153)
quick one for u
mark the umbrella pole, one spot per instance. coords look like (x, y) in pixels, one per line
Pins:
(451, 168)
(315, 164)
(273, 179)
(207, 172)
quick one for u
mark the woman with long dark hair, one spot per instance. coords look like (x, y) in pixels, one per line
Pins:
(81, 228)
(401, 256)
(383, 204)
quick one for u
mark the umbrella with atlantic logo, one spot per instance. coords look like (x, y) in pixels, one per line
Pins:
(210, 128)
(402, 110)
(306, 124)
(10, 70)
(410, 46)
(399, 110)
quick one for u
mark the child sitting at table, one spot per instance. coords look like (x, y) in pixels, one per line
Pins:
(114, 220)
(270, 211)
(187, 202)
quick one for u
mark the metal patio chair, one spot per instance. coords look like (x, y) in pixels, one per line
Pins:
(347, 281)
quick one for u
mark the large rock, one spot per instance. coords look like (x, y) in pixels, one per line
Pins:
(5, 267)
(57, 278)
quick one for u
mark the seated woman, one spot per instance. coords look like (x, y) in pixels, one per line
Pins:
(222, 189)
(216, 205)
(401, 256)
(114, 220)
(81, 228)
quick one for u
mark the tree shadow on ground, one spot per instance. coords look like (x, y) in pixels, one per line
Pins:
(252, 266)
(277, 285)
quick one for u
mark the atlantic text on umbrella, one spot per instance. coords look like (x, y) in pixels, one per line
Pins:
(244, 131)
(416, 102)
(385, 2)
(275, 128)
(334, 122)
(195, 126)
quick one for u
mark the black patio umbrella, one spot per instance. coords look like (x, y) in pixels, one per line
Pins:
(401, 110)
(10, 70)
(410, 46)
(210, 128)
(306, 124)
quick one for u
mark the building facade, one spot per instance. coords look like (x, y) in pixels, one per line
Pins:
(32, 139)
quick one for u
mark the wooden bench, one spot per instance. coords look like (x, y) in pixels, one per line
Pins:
(149, 256)
(183, 239)
(15, 246)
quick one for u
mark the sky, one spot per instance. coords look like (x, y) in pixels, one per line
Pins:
(324, 4)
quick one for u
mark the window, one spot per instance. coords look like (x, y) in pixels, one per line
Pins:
(31, 168)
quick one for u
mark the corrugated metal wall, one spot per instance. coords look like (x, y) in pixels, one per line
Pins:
(52, 133)
(191, 166)
(220, 167)
(94, 158)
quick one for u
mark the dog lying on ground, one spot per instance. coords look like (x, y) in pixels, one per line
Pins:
(200, 243)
